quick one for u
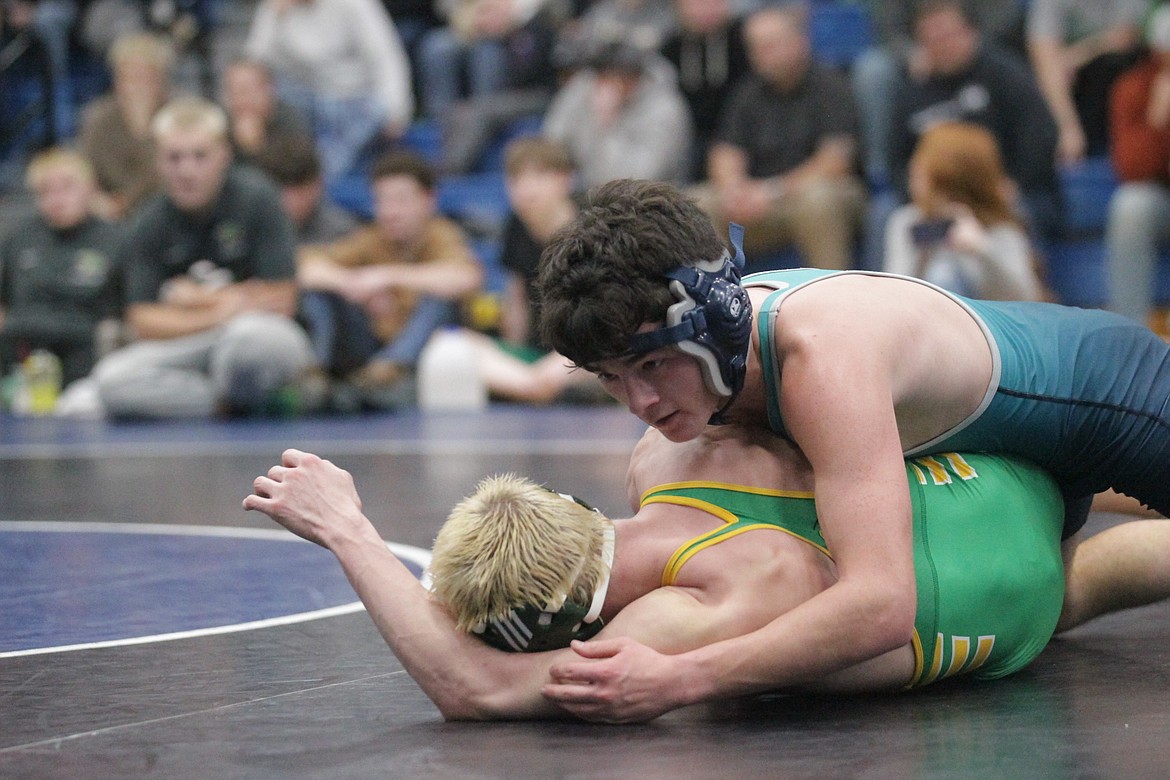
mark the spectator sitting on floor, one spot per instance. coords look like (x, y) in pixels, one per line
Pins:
(373, 298)
(257, 117)
(210, 283)
(58, 275)
(292, 163)
(540, 181)
(784, 160)
(960, 230)
(115, 128)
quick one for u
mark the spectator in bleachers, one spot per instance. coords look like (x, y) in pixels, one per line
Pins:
(210, 283)
(116, 128)
(187, 24)
(540, 181)
(960, 230)
(643, 23)
(491, 46)
(373, 298)
(412, 19)
(54, 21)
(1077, 49)
(877, 70)
(342, 65)
(257, 117)
(622, 115)
(968, 78)
(1139, 211)
(293, 164)
(709, 56)
(58, 273)
(524, 90)
(26, 91)
(784, 160)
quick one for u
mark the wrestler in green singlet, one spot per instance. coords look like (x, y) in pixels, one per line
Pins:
(986, 554)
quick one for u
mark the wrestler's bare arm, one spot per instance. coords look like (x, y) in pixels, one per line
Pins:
(837, 396)
(464, 677)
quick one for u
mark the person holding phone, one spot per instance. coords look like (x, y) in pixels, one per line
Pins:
(960, 230)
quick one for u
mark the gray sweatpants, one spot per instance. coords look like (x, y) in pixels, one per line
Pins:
(235, 367)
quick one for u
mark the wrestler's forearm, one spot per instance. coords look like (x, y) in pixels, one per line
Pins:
(827, 634)
(466, 679)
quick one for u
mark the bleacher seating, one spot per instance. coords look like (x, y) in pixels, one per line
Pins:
(1076, 263)
(839, 31)
(1077, 270)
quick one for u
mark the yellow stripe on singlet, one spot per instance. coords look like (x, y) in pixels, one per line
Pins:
(688, 550)
(759, 491)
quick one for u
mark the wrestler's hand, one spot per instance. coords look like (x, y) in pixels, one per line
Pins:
(309, 496)
(623, 681)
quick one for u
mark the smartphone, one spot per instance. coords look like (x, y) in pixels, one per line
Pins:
(930, 232)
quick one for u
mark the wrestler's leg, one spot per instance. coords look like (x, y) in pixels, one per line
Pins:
(1125, 566)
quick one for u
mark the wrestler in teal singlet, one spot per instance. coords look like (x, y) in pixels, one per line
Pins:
(986, 555)
(1083, 393)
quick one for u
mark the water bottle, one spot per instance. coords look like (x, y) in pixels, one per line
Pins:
(448, 375)
(39, 384)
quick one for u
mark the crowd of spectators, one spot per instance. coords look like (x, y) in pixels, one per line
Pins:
(181, 251)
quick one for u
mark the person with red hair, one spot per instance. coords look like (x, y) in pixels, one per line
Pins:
(960, 230)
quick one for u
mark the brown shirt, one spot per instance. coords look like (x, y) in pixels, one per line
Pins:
(442, 241)
(124, 163)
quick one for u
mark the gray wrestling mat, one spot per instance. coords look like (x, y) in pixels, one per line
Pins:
(151, 628)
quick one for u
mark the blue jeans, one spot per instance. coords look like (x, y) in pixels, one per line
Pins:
(344, 341)
(875, 75)
(343, 127)
(443, 58)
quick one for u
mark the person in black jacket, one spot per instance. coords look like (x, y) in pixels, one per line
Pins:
(58, 268)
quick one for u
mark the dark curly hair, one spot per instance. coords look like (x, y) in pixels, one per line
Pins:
(603, 275)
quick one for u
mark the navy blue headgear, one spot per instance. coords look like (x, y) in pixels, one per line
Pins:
(712, 320)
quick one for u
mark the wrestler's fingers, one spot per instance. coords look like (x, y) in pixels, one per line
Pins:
(263, 486)
(576, 698)
(598, 648)
(292, 457)
(581, 673)
(255, 501)
(276, 473)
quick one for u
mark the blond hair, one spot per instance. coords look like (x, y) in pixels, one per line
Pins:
(188, 113)
(57, 158)
(142, 47)
(514, 543)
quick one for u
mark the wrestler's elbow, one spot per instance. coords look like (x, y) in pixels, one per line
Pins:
(893, 619)
(459, 711)
(477, 699)
(888, 616)
(466, 704)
